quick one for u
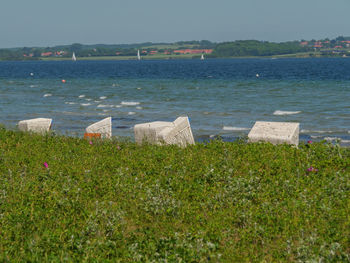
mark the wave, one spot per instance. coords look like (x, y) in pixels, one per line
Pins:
(310, 131)
(230, 128)
(105, 106)
(139, 108)
(85, 104)
(70, 103)
(341, 131)
(131, 113)
(103, 97)
(130, 103)
(281, 112)
(81, 96)
(47, 95)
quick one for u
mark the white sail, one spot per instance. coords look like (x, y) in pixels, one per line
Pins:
(202, 57)
(73, 57)
(138, 55)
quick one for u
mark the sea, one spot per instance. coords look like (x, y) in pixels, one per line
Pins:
(222, 97)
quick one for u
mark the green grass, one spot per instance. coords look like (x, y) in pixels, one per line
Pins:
(220, 202)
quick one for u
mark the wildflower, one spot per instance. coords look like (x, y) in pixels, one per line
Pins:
(309, 142)
(118, 147)
(90, 142)
(312, 169)
(46, 165)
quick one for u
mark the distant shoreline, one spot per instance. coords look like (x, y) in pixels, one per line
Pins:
(128, 58)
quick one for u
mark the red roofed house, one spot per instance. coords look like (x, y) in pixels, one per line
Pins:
(46, 54)
(193, 51)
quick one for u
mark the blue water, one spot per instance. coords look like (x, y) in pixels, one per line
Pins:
(221, 96)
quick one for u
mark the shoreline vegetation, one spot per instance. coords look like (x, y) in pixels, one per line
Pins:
(338, 47)
(70, 199)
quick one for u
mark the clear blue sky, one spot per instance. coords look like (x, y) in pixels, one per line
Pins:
(50, 22)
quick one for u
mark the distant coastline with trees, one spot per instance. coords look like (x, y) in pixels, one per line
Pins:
(339, 46)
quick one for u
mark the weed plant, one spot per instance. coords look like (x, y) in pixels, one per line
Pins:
(65, 199)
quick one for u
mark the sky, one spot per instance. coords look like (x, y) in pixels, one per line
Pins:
(45, 23)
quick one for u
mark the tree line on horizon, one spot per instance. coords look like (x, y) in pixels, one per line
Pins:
(225, 49)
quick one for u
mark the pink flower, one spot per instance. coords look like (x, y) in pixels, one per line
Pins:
(118, 147)
(90, 142)
(309, 142)
(312, 169)
(46, 165)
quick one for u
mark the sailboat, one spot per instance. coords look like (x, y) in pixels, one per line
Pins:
(202, 57)
(138, 55)
(73, 57)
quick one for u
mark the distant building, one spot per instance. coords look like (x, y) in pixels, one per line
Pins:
(193, 51)
(28, 55)
(46, 54)
(59, 53)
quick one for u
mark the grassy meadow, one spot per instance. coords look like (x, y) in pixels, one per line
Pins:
(65, 199)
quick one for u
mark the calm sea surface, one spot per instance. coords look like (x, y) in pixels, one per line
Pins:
(221, 96)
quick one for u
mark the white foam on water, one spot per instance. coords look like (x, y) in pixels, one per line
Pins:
(105, 106)
(309, 131)
(88, 99)
(103, 97)
(85, 104)
(102, 114)
(118, 106)
(130, 103)
(230, 128)
(315, 136)
(139, 108)
(32, 86)
(47, 95)
(81, 96)
(105, 110)
(282, 112)
(97, 101)
(131, 113)
(139, 88)
(70, 103)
